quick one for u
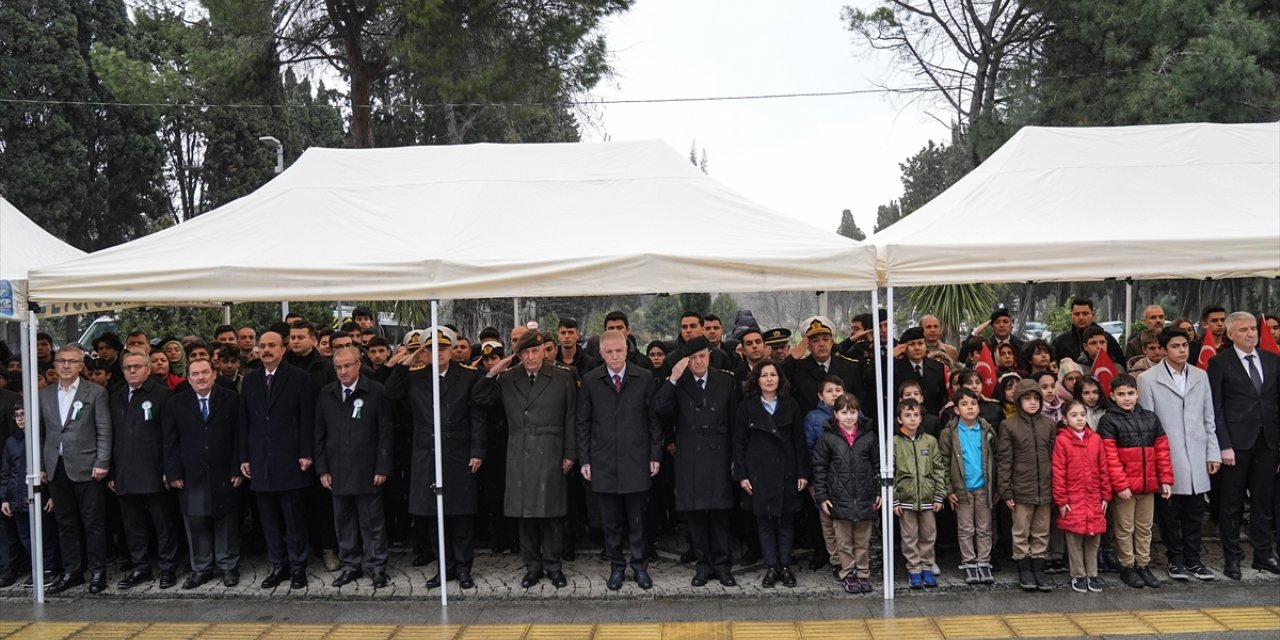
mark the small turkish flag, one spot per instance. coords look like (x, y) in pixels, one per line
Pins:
(1266, 341)
(986, 368)
(1104, 369)
(1208, 349)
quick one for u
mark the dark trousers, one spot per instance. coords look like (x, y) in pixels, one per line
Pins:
(81, 513)
(459, 540)
(1180, 520)
(709, 529)
(777, 535)
(320, 518)
(214, 540)
(541, 543)
(361, 518)
(140, 514)
(1254, 470)
(619, 512)
(11, 555)
(284, 525)
(52, 555)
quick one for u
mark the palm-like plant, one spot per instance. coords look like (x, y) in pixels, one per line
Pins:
(954, 304)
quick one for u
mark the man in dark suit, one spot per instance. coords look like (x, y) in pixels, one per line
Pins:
(619, 450)
(1001, 323)
(277, 445)
(914, 365)
(137, 477)
(1246, 405)
(540, 401)
(202, 460)
(1070, 343)
(77, 454)
(353, 458)
(462, 439)
(700, 402)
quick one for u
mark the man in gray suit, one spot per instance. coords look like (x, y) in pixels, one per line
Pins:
(77, 453)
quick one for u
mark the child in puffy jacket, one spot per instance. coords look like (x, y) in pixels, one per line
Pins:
(1139, 466)
(1024, 477)
(1081, 489)
(919, 487)
(846, 474)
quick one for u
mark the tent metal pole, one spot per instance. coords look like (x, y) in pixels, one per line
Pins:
(886, 461)
(1128, 308)
(515, 313)
(31, 409)
(878, 362)
(284, 309)
(226, 313)
(439, 485)
(824, 304)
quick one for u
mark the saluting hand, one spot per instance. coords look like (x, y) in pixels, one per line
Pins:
(500, 366)
(678, 369)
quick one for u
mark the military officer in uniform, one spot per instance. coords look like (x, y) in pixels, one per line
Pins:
(540, 403)
(462, 438)
(806, 374)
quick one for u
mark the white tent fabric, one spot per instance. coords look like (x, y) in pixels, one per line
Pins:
(1142, 202)
(472, 221)
(24, 246)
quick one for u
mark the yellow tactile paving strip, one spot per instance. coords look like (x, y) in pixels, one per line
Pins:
(1028, 625)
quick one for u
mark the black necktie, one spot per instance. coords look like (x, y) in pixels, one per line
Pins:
(919, 370)
(130, 398)
(1254, 374)
(702, 383)
(204, 409)
(269, 382)
(346, 395)
(533, 379)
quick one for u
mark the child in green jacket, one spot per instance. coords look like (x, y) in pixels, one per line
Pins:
(918, 490)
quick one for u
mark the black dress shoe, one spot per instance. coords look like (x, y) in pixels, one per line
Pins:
(346, 577)
(273, 579)
(134, 579)
(616, 576)
(726, 579)
(786, 577)
(230, 578)
(379, 580)
(64, 582)
(1231, 569)
(770, 578)
(434, 581)
(298, 580)
(464, 579)
(688, 556)
(422, 560)
(168, 578)
(699, 580)
(196, 579)
(558, 580)
(643, 580)
(530, 579)
(1266, 563)
(98, 582)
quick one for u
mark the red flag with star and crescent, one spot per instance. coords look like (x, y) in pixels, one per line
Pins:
(1266, 341)
(1104, 369)
(986, 368)
(1208, 349)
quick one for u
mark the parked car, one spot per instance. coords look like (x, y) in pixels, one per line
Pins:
(1115, 328)
(1036, 331)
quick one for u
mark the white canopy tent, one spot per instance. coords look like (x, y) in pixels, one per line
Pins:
(471, 222)
(24, 246)
(1064, 204)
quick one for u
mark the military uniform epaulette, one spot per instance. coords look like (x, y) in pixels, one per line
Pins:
(844, 357)
(731, 374)
(464, 366)
(418, 367)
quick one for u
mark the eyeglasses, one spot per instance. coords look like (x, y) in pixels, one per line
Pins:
(132, 367)
(65, 361)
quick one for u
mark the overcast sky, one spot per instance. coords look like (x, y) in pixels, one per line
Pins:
(805, 157)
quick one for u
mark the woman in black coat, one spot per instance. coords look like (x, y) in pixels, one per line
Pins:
(771, 463)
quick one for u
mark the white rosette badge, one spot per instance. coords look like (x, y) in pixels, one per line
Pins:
(75, 409)
(146, 410)
(358, 403)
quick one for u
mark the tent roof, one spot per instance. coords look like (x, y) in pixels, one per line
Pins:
(1143, 202)
(472, 221)
(25, 246)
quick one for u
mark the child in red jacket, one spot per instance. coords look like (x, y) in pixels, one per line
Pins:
(1081, 489)
(1139, 466)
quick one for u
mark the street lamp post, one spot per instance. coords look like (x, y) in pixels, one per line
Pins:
(284, 305)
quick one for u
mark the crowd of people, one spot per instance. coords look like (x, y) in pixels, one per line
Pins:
(317, 442)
